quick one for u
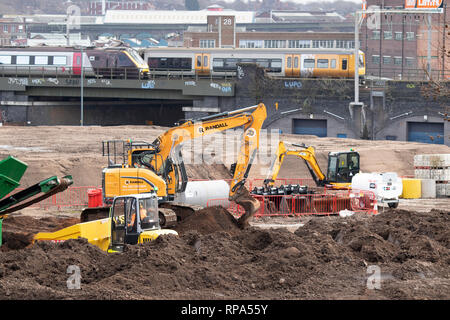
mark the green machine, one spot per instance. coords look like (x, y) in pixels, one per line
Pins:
(11, 171)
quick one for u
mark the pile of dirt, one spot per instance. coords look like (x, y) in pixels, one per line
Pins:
(327, 258)
(209, 220)
(18, 231)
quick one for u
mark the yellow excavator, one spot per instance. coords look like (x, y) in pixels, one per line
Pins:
(158, 167)
(342, 166)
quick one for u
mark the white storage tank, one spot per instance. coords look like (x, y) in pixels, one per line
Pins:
(199, 192)
(386, 186)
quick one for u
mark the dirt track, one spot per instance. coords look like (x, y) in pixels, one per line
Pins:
(328, 258)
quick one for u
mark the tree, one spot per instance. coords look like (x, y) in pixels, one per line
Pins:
(191, 5)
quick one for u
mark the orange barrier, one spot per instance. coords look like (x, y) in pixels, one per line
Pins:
(71, 197)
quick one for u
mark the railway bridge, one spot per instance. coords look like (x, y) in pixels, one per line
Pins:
(392, 110)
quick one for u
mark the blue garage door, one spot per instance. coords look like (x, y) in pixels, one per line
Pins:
(312, 127)
(426, 132)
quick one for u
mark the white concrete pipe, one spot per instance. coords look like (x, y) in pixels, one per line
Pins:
(199, 192)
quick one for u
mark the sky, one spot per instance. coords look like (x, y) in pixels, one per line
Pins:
(307, 1)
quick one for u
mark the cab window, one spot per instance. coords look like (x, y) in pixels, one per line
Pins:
(131, 210)
(125, 61)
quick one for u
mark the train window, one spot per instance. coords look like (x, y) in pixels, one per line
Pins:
(275, 65)
(41, 60)
(230, 64)
(264, 63)
(186, 63)
(217, 63)
(125, 61)
(23, 60)
(5, 59)
(247, 60)
(59, 60)
(333, 63)
(344, 64)
(153, 63)
(289, 62)
(162, 63)
(296, 62)
(322, 63)
(309, 63)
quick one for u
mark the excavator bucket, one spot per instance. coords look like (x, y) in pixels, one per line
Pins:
(250, 205)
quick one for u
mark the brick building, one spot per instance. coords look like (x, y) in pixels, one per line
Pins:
(398, 48)
(221, 32)
(12, 30)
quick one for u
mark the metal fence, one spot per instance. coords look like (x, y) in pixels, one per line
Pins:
(304, 205)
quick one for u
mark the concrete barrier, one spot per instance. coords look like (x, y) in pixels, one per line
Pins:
(428, 187)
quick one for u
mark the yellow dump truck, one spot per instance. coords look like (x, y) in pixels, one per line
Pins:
(133, 219)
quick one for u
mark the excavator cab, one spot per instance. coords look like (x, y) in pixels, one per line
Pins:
(133, 219)
(342, 166)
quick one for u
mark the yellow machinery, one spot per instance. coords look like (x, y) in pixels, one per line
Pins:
(159, 167)
(342, 166)
(132, 219)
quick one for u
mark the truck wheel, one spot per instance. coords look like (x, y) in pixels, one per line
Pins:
(393, 205)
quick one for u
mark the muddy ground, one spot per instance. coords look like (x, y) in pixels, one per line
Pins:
(327, 258)
(307, 258)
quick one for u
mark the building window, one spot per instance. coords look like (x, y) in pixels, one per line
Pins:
(375, 35)
(299, 43)
(409, 61)
(398, 61)
(5, 28)
(375, 59)
(386, 60)
(410, 36)
(207, 43)
(20, 28)
(398, 35)
(274, 43)
(251, 43)
(387, 35)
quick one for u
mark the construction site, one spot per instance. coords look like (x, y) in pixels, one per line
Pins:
(230, 214)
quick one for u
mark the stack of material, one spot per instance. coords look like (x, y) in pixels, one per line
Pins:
(434, 170)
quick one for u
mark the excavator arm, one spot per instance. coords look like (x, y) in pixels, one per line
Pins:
(168, 146)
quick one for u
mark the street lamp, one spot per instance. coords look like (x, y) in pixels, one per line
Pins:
(82, 87)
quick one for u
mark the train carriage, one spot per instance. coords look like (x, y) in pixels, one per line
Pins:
(53, 61)
(295, 63)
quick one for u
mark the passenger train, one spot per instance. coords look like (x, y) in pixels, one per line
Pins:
(116, 62)
(124, 62)
(302, 62)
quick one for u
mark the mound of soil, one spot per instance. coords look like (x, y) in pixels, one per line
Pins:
(18, 231)
(209, 220)
(327, 258)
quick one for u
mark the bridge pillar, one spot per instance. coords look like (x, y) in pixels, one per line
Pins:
(358, 119)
